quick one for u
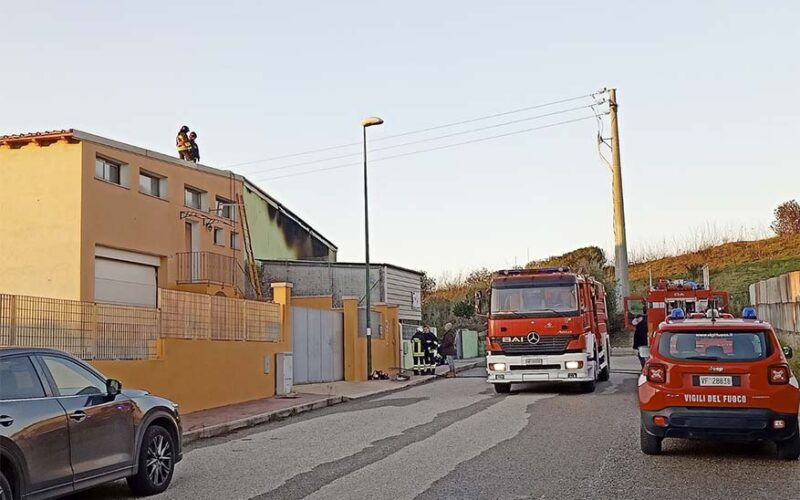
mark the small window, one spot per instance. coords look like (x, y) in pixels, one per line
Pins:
(193, 198)
(19, 380)
(151, 184)
(235, 241)
(73, 379)
(226, 208)
(219, 236)
(107, 170)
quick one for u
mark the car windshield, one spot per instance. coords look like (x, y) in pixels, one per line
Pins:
(535, 300)
(714, 346)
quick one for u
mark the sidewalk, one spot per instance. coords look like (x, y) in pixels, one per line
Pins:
(218, 421)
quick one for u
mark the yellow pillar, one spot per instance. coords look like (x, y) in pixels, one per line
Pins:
(282, 294)
(388, 356)
(355, 347)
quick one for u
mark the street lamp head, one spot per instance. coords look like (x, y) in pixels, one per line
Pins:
(370, 121)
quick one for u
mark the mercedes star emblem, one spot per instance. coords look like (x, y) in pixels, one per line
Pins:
(533, 338)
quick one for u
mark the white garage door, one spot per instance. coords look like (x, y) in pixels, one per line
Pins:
(121, 282)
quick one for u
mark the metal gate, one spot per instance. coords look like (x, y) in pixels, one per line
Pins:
(317, 345)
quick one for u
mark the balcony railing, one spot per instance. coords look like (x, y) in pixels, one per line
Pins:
(209, 268)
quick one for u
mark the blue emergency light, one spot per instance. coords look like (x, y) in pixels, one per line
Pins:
(749, 313)
(677, 313)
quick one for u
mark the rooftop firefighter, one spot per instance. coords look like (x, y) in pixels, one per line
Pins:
(194, 149)
(183, 144)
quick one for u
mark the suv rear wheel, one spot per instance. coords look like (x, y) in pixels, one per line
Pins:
(651, 445)
(789, 449)
(5, 489)
(156, 462)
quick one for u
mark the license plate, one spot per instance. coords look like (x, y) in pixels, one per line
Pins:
(533, 361)
(716, 381)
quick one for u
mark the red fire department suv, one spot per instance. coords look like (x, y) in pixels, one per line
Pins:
(718, 378)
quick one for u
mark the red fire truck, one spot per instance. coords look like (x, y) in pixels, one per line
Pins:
(695, 299)
(546, 325)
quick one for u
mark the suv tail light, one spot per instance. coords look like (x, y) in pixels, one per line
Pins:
(779, 374)
(656, 373)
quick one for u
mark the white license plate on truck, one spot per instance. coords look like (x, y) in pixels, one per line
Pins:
(716, 381)
(533, 361)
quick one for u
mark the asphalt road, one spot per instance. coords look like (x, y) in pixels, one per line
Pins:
(457, 439)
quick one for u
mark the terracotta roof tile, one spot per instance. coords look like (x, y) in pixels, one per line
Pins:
(35, 135)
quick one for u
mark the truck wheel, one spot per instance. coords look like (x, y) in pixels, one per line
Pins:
(651, 445)
(605, 373)
(5, 489)
(502, 388)
(789, 449)
(588, 387)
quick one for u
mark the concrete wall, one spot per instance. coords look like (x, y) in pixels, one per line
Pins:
(40, 228)
(277, 235)
(202, 374)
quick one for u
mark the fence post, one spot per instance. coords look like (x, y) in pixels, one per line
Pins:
(93, 331)
(12, 333)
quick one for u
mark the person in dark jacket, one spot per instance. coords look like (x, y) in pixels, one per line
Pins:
(194, 149)
(431, 346)
(640, 336)
(449, 348)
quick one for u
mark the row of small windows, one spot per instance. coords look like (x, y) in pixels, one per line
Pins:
(156, 185)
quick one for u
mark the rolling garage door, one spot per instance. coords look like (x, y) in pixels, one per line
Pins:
(125, 282)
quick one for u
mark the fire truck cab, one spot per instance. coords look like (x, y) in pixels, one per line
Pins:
(546, 325)
(718, 378)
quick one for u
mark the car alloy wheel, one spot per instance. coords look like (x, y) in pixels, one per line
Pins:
(159, 460)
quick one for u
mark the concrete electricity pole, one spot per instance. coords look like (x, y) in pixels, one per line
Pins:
(620, 240)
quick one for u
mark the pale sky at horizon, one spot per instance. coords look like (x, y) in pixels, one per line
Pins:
(707, 94)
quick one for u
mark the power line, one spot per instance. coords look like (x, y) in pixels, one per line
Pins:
(438, 148)
(418, 131)
(428, 139)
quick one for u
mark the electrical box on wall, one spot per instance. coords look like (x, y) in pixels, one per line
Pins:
(283, 373)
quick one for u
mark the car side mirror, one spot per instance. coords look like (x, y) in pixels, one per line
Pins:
(788, 352)
(113, 387)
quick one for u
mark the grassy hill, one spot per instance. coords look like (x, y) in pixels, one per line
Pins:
(733, 266)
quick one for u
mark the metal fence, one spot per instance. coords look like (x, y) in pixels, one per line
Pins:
(195, 316)
(108, 332)
(83, 329)
(778, 301)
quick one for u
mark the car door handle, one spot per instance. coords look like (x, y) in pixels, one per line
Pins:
(6, 421)
(78, 416)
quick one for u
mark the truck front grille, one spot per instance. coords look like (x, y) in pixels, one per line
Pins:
(548, 344)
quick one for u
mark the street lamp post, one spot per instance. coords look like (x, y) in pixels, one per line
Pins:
(367, 122)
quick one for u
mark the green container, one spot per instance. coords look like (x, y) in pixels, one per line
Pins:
(469, 344)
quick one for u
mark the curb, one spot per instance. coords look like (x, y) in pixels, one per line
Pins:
(274, 416)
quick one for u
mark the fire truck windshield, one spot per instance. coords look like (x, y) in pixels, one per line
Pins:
(532, 300)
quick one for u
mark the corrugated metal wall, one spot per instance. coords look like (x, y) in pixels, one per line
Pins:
(401, 288)
(778, 301)
(390, 285)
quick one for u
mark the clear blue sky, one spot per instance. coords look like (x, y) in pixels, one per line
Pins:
(708, 96)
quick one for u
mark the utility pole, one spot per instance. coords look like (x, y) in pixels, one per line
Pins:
(620, 239)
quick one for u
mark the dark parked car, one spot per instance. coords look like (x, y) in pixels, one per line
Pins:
(64, 427)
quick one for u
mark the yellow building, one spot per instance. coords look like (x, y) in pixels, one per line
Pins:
(88, 218)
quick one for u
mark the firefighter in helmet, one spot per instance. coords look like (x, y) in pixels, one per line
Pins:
(418, 351)
(431, 348)
(183, 144)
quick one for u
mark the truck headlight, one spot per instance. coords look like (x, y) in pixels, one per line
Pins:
(497, 367)
(573, 365)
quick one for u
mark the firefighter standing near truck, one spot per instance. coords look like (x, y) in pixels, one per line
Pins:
(418, 351)
(431, 347)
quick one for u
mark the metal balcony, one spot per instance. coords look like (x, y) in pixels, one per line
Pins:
(209, 268)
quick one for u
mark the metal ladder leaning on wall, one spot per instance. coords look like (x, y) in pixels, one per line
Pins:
(248, 249)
